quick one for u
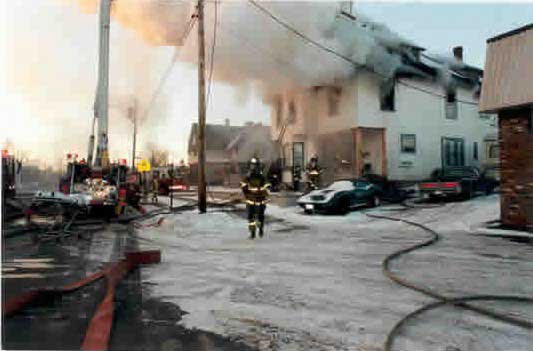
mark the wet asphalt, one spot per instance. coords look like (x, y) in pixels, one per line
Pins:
(59, 321)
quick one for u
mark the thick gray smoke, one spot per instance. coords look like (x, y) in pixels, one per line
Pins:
(252, 47)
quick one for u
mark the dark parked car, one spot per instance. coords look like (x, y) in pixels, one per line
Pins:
(463, 182)
(342, 196)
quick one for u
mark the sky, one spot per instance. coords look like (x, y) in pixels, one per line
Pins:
(48, 63)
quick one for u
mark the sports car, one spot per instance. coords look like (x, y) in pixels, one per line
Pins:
(341, 197)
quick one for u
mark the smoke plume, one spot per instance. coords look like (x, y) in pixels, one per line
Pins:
(251, 46)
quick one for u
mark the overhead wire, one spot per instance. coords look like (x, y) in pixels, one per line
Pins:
(212, 60)
(175, 57)
(337, 54)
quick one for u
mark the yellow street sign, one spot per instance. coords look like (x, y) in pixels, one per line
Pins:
(143, 166)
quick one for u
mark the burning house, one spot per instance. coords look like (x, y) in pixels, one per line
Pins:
(508, 91)
(402, 114)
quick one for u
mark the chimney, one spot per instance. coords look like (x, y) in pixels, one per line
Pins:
(226, 122)
(458, 53)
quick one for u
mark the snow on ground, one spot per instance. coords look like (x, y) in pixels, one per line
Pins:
(315, 282)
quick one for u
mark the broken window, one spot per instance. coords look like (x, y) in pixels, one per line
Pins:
(292, 112)
(279, 110)
(408, 143)
(334, 97)
(387, 96)
(451, 105)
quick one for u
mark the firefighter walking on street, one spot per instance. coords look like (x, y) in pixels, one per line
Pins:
(255, 190)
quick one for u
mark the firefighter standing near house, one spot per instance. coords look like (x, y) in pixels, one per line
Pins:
(313, 172)
(255, 190)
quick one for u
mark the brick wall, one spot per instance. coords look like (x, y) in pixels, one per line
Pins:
(516, 155)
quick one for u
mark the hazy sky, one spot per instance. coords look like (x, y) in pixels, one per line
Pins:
(48, 63)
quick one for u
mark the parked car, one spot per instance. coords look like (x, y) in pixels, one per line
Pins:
(341, 197)
(460, 182)
(176, 184)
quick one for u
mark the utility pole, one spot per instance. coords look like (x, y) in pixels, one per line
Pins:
(202, 202)
(132, 111)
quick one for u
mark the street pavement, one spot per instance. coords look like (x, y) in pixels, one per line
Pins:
(315, 282)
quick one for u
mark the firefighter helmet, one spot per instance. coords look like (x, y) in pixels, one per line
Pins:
(255, 164)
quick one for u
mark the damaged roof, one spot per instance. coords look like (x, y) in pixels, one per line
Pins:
(217, 136)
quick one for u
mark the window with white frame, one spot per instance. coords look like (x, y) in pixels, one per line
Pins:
(408, 143)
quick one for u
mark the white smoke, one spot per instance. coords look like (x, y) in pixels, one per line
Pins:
(252, 47)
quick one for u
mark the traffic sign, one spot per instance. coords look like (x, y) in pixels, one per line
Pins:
(144, 166)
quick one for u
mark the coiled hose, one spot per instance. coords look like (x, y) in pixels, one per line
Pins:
(443, 300)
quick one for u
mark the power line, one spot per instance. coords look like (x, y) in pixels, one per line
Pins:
(157, 91)
(432, 93)
(339, 55)
(300, 34)
(211, 64)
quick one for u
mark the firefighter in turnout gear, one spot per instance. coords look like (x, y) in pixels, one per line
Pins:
(313, 174)
(255, 189)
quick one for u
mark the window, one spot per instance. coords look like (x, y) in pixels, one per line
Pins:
(494, 151)
(292, 112)
(387, 96)
(408, 143)
(334, 97)
(453, 152)
(451, 105)
(279, 110)
(475, 151)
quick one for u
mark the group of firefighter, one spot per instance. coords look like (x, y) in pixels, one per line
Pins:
(255, 188)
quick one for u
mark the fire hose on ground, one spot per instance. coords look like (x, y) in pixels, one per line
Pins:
(99, 331)
(462, 301)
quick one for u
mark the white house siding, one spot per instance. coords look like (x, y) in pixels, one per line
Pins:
(415, 112)
(421, 114)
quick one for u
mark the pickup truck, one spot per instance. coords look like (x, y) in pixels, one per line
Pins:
(460, 182)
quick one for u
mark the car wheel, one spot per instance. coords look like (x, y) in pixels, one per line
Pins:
(344, 206)
(376, 201)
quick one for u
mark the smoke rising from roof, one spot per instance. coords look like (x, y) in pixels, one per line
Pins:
(251, 46)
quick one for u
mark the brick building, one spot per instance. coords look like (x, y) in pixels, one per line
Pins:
(508, 91)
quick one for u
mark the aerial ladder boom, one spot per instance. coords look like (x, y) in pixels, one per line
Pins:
(101, 104)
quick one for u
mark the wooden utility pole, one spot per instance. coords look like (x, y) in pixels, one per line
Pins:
(133, 117)
(202, 202)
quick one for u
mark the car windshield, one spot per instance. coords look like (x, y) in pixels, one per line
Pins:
(361, 184)
(341, 185)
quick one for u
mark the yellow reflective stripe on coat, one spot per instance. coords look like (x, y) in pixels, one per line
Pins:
(251, 202)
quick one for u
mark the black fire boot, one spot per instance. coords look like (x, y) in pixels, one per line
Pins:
(251, 226)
